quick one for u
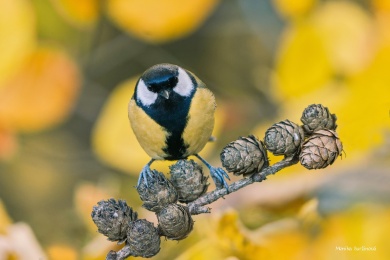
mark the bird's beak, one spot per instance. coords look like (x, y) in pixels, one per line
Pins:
(164, 94)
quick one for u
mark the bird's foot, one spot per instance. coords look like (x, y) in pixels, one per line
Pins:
(218, 175)
(145, 174)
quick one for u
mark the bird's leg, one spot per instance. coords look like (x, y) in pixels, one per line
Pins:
(217, 174)
(146, 171)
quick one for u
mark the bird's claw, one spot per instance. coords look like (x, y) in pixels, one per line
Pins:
(145, 174)
(218, 175)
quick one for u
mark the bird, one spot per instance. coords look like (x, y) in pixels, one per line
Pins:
(172, 116)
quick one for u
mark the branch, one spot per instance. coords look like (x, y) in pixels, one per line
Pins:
(198, 206)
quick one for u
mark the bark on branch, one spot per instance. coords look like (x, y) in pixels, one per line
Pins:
(198, 206)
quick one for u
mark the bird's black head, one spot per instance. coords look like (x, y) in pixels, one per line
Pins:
(162, 83)
(161, 78)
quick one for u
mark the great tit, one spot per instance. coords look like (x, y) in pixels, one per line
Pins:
(172, 116)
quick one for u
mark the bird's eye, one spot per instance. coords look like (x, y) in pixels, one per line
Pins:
(173, 81)
(151, 88)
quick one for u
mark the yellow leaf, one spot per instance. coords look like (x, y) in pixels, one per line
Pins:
(382, 23)
(263, 243)
(203, 250)
(5, 220)
(61, 252)
(79, 13)
(309, 216)
(234, 238)
(42, 94)
(17, 35)
(359, 228)
(381, 5)
(362, 226)
(288, 233)
(302, 64)
(366, 112)
(347, 32)
(114, 141)
(160, 21)
(222, 237)
(295, 8)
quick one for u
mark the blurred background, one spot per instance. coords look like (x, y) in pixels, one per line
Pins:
(68, 69)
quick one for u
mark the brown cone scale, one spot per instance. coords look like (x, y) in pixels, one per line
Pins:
(320, 150)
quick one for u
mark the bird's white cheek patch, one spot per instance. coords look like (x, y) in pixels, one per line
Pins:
(184, 84)
(144, 95)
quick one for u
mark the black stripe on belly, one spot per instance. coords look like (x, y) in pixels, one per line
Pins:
(175, 149)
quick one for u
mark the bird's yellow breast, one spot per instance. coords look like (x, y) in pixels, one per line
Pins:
(150, 135)
(200, 122)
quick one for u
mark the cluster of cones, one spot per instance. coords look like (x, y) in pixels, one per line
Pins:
(315, 142)
(119, 223)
